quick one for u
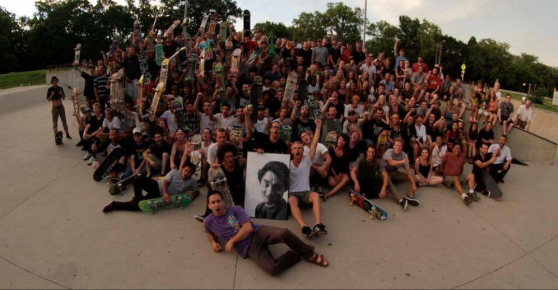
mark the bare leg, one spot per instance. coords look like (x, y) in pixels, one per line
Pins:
(295, 211)
(164, 163)
(316, 207)
(339, 185)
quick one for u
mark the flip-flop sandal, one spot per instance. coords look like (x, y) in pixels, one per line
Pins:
(322, 261)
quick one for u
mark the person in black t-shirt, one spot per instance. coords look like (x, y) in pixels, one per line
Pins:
(486, 136)
(88, 90)
(268, 144)
(92, 129)
(374, 125)
(134, 149)
(132, 69)
(302, 123)
(157, 155)
(334, 56)
(482, 160)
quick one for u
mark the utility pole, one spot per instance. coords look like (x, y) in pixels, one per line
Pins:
(364, 27)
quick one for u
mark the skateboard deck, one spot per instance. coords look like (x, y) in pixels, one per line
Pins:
(290, 87)
(302, 92)
(58, 137)
(218, 181)
(213, 23)
(285, 135)
(75, 100)
(331, 138)
(255, 96)
(236, 131)
(491, 185)
(223, 31)
(144, 67)
(155, 204)
(195, 156)
(108, 164)
(140, 100)
(179, 113)
(371, 208)
(117, 91)
(77, 54)
(246, 21)
(159, 90)
(219, 74)
(235, 62)
(201, 70)
(159, 54)
(191, 67)
(203, 23)
(314, 109)
(519, 162)
(122, 185)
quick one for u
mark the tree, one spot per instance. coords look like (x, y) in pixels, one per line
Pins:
(11, 42)
(382, 35)
(280, 30)
(308, 26)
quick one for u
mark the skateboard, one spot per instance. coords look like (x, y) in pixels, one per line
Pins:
(159, 52)
(112, 47)
(219, 74)
(137, 28)
(371, 208)
(77, 54)
(155, 204)
(150, 35)
(191, 67)
(213, 23)
(195, 156)
(201, 70)
(139, 102)
(236, 131)
(228, 52)
(160, 89)
(302, 92)
(285, 135)
(490, 184)
(290, 87)
(179, 113)
(223, 31)
(235, 62)
(246, 21)
(251, 59)
(519, 162)
(117, 90)
(122, 185)
(313, 107)
(75, 100)
(203, 23)
(255, 96)
(144, 66)
(218, 181)
(106, 166)
(331, 138)
(58, 137)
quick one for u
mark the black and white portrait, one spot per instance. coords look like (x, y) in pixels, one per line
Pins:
(267, 185)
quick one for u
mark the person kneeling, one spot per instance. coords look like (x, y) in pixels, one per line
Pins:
(252, 241)
(175, 183)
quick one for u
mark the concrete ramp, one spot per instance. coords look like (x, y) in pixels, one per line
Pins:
(528, 146)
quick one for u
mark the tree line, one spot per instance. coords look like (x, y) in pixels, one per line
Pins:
(48, 37)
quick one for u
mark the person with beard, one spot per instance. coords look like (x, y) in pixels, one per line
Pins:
(302, 123)
(268, 143)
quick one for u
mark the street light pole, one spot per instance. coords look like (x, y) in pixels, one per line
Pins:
(364, 27)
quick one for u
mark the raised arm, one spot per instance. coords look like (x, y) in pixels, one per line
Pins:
(315, 139)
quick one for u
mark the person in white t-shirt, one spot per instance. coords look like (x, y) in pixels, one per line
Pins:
(320, 163)
(299, 185)
(502, 165)
(221, 137)
(168, 119)
(110, 122)
(524, 116)
(224, 118)
(207, 119)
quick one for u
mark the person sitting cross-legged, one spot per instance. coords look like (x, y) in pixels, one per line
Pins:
(252, 241)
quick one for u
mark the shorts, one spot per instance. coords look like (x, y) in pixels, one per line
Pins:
(521, 124)
(483, 112)
(505, 119)
(448, 180)
(430, 91)
(156, 160)
(303, 197)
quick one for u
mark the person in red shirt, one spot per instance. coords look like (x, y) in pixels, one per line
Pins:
(452, 170)
(433, 85)
(420, 63)
(250, 45)
(347, 53)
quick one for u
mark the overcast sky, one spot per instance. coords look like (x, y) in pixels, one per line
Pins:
(527, 25)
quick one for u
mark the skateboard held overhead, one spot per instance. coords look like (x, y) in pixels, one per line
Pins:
(371, 208)
(218, 181)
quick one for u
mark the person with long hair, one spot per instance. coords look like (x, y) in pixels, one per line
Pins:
(339, 170)
(424, 174)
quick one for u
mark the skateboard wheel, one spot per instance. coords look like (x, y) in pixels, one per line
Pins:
(351, 203)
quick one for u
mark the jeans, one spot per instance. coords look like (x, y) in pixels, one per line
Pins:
(59, 111)
(140, 184)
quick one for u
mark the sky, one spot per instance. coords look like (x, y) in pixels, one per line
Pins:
(524, 24)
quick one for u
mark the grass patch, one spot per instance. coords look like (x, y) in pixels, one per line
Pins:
(546, 105)
(28, 78)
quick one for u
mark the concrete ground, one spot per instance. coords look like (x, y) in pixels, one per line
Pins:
(54, 234)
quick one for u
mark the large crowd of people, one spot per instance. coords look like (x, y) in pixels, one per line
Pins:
(394, 120)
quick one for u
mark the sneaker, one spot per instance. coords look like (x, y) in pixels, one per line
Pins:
(108, 207)
(467, 200)
(320, 230)
(201, 182)
(412, 201)
(87, 156)
(68, 137)
(404, 203)
(80, 143)
(307, 232)
(473, 196)
(91, 160)
(319, 191)
(486, 192)
(199, 218)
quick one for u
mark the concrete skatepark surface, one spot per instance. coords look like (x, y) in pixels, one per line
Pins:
(54, 234)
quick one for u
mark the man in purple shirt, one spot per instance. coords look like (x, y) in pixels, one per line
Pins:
(250, 240)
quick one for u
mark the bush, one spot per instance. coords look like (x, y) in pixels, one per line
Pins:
(538, 95)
